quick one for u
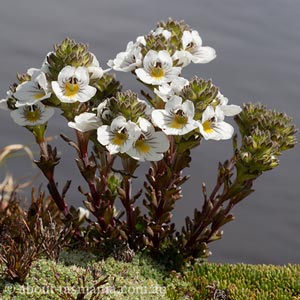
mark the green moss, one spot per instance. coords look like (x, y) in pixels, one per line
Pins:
(255, 282)
(147, 280)
(47, 279)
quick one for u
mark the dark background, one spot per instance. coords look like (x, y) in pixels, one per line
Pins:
(258, 46)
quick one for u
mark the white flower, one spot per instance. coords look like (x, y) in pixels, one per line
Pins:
(32, 115)
(73, 85)
(103, 112)
(176, 118)
(164, 32)
(83, 213)
(3, 102)
(212, 125)
(150, 145)
(148, 108)
(228, 110)
(166, 91)
(140, 41)
(192, 50)
(34, 90)
(85, 122)
(95, 71)
(119, 136)
(128, 60)
(45, 64)
(157, 68)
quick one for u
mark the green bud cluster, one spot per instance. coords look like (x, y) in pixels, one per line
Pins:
(107, 86)
(124, 104)
(175, 27)
(280, 126)
(257, 154)
(265, 134)
(159, 42)
(201, 92)
(68, 53)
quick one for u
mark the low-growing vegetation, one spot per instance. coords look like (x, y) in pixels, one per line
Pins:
(81, 275)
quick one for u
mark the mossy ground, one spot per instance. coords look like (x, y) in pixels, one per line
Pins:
(144, 279)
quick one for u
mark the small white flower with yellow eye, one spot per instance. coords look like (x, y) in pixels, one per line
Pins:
(157, 68)
(32, 115)
(34, 90)
(128, 60)
(177, 118)
(192, 50)
(119, 136)
(167, 90)
(85, 122)
(212, 125)
(150, 145)
(228, 110)
(95, 71)
(72, 85)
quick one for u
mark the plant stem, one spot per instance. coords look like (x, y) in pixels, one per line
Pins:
(216, 201)
(128, 205)
(48, 171)
(129, 166)
(83, 139)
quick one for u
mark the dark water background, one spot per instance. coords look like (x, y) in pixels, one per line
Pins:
(258, 48)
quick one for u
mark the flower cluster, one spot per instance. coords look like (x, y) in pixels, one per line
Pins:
(68, 79)
(157, 59)
(37, 87)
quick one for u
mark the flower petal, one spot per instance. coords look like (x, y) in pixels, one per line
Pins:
(203, 55)
(230, 110)
(188, 108)
(65, 74)
(85, 122)
(118, 123)
(173, 103)
(104, 135)
(208, 113)
(82, 75)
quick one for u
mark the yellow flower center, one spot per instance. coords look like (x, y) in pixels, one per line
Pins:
(32, 113)
(72, 87)
(208, 126)
(39, 95)
(179, 120)
(120, 137)
(157, 72)
(141, 145)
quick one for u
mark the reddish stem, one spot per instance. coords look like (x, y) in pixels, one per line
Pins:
(52, 187)
(83, 140)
